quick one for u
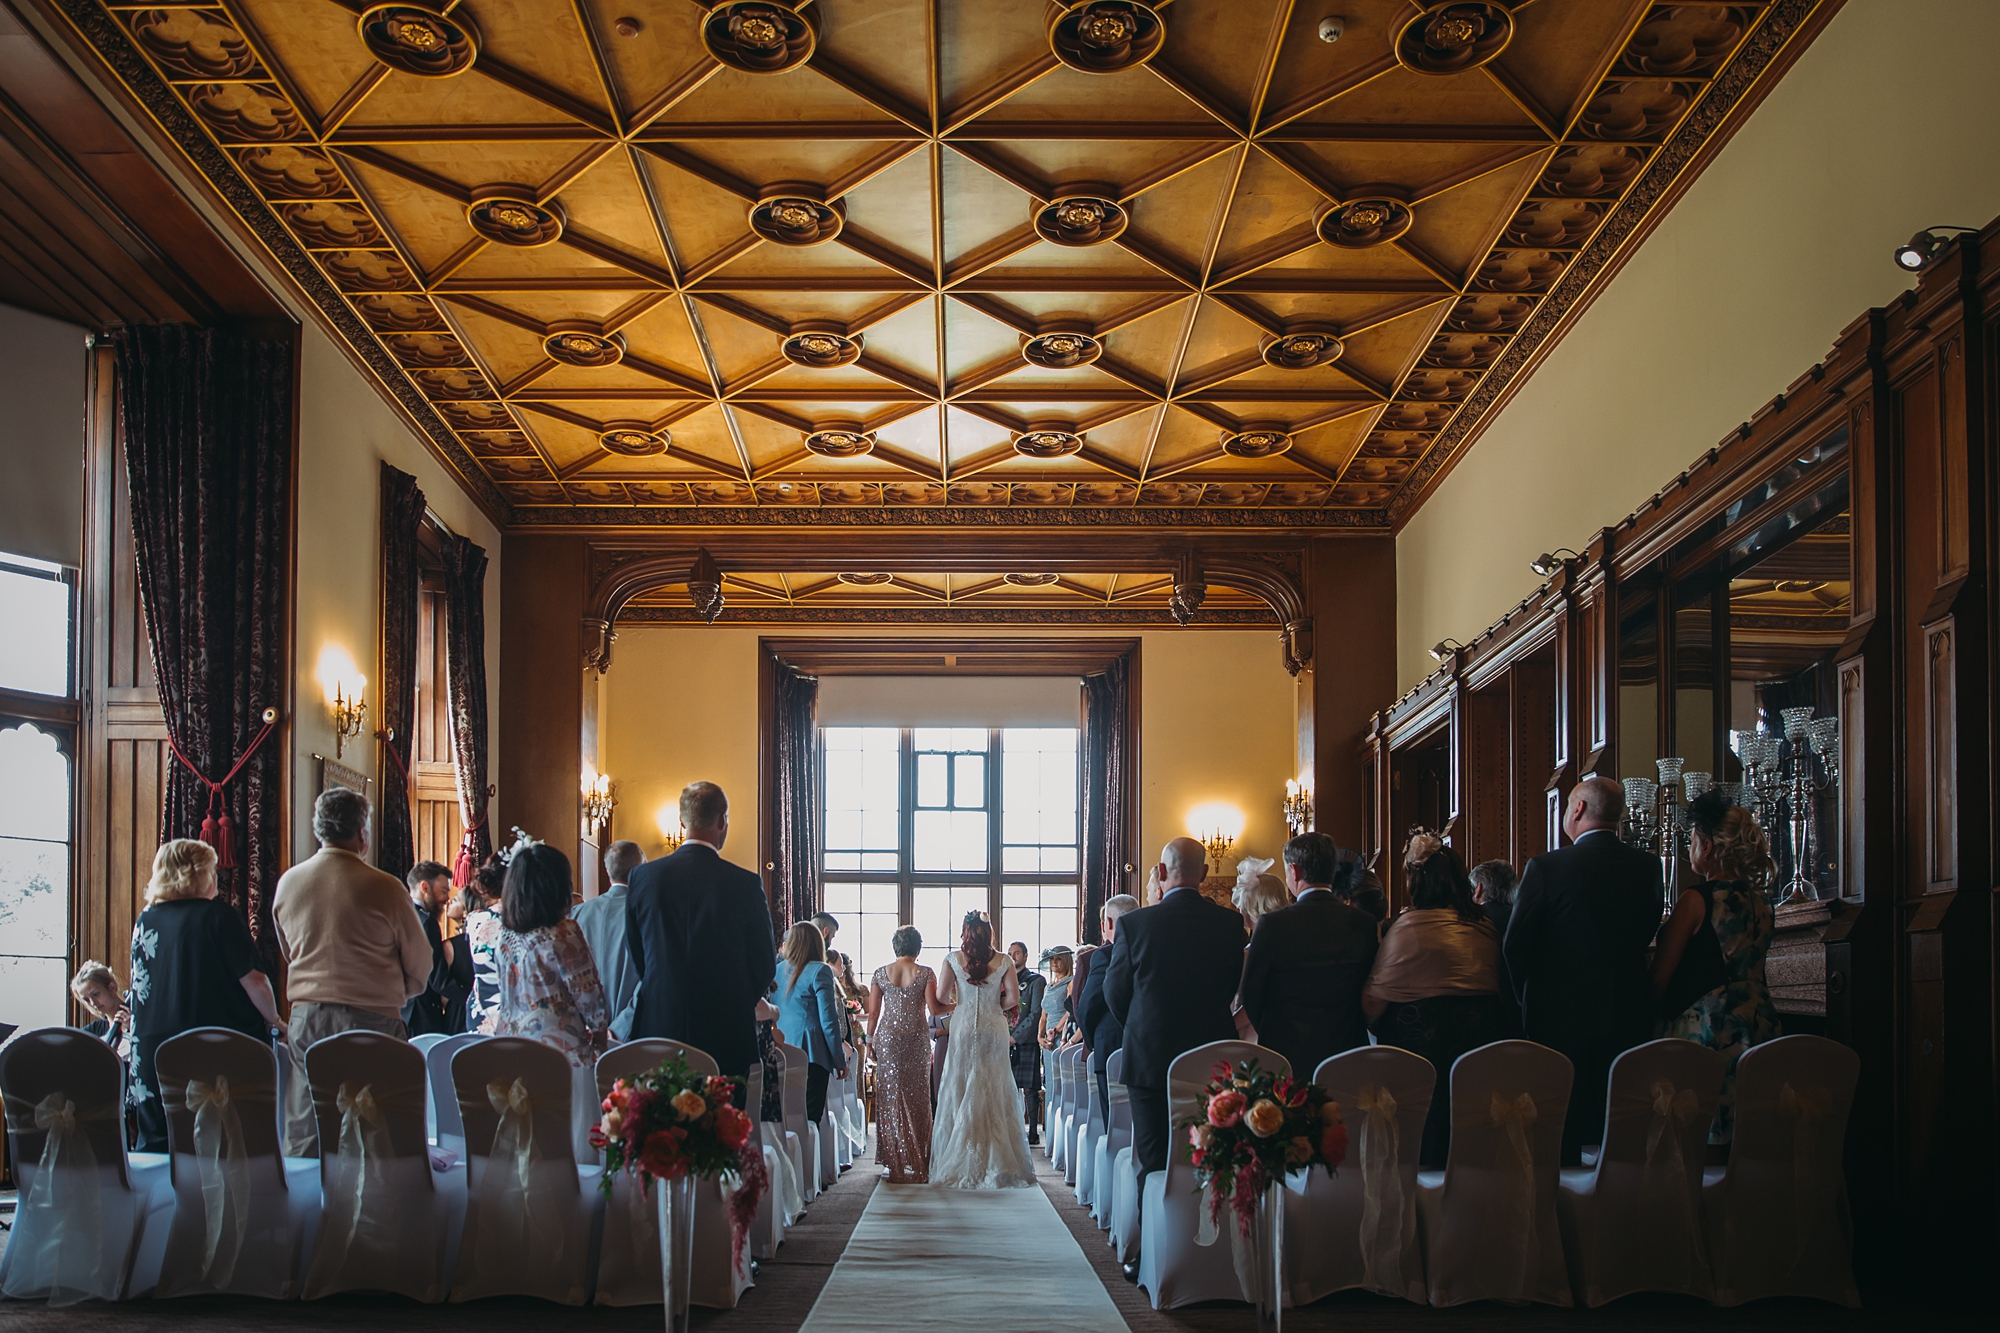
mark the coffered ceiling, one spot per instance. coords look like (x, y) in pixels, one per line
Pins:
(641, 262)
(876, 596)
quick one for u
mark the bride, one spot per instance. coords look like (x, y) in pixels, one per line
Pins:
(981, 1141)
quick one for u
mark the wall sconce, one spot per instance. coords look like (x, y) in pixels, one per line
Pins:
(672, 831)
(346, 694)
(1444, 648)
(1548, 562)
(1298, 807)
(598, 799)
(1217, 826)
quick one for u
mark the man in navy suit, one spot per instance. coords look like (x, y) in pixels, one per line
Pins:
(1172, 979)
(699, 932)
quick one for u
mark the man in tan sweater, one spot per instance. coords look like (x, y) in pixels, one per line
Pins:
(353, 947)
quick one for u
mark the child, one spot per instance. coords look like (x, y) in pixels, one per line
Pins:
(95, 987)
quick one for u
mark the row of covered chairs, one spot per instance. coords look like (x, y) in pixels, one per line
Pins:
(1504, 1220)
(450, 1168)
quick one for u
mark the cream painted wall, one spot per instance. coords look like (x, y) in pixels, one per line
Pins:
(346, 431)
(1880, 129)
(1215, 725)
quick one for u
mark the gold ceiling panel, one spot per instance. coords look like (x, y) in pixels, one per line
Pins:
(945, 260)
(993, 597)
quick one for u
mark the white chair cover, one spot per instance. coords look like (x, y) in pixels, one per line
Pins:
(387, 1220)
(423, 1043)
(1117, 1136)
(531, 1211)
(1488, 1220)
(1074, 1111)
(90, 1221)
(1055, 1110)
(1358, 1227)
(245, 1216)
(797, 1126)
(448, 1127)
(1777, 1219)
(1632, 1221)
(786, 1198)
(1174, 1269)
(767, 1233)
(628, 1268)
(1089, 1137)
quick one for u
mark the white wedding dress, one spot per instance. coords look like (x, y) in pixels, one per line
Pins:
(981, 1140)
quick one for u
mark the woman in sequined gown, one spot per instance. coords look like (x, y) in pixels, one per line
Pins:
(900, 997)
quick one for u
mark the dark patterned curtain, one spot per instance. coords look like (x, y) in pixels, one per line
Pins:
(402, 519)
(795, 837)
(1107, 707)
(205, 424)
(465, 665)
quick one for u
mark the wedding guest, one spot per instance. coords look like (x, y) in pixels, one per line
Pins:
(459, 954)
(354, 950)
(1709, 966)
(1435, 985)
(1081, 962)
(602, 921)
(699, 932)
(1359, 887)
(1307, 963)
(549, 988)
(482, 942)
(193, 966)
(1093, 1013)
(1493, 889)
(769, 1039)
(1257, 892)
(1170, 984)
(853, 1000)
(1061, 963)
(900, 996)
(431, 1011)
(1023, 1049)
(95, 988)
(808, 1011)
(1576, 949)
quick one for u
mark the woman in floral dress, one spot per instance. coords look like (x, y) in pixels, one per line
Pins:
(1727, 848)
(549, 988)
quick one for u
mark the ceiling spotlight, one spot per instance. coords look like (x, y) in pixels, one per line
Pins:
(1915, 254)
(1444, 648)
(1548, 563)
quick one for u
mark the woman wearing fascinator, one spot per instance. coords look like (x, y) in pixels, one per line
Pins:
(1257, 893)
(979, 1140)
(1435, 986)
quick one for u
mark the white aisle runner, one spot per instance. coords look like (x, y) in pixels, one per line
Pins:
(924, 1257)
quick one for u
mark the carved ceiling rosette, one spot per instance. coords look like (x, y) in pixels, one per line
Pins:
(791, 213)
(509, 215)
(1302, 349)
(1454, 37)
(1257, 441)
(1106, 36)
(283, 171)
(420, 41)
(1081, 215)
(840, 439)
(759, 36)
(1060, 349)
(1053, 440)
(821, 347)
(577, 343)
(1375, 215)
(633, 439)
(193, 44)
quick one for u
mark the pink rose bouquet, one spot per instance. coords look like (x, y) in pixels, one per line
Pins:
(1252, 1128)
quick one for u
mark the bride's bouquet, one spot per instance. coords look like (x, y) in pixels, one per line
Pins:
(1252, 1129)
(672, 1122)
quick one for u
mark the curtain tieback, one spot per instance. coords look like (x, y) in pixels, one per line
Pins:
(462, 867)
(216, 828)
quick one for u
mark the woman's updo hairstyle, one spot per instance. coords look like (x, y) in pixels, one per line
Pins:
(977, 940)
(1734, 837)
(908, 941)
(490, 880)
(1437, 877)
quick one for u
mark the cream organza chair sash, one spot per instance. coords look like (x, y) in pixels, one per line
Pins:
(362, 1201)
(1808, 1110)
(1388, 1214)
(1515, 1117)
(67, 1193)
(512, 1221)
(224, 1161)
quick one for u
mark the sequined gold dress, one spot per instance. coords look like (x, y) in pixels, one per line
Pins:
(902, 1047)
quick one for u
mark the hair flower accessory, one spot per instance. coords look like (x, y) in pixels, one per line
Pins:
(522, 842)
(1423, 845)
(1248, 869)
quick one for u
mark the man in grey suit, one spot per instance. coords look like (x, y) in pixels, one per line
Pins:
(699, 932)
(602, 920)
(1576, 948)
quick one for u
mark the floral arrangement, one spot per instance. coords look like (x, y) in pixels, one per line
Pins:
(672, 1122)
(1253, 1128)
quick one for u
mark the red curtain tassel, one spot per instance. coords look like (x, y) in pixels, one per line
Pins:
(461, 869)
(209, 834)
(225, 848)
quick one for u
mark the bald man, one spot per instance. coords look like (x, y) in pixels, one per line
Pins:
(1576, 949)
(1171, 981)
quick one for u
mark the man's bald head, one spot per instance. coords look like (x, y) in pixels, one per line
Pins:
(1595, 803)
(1183, 864)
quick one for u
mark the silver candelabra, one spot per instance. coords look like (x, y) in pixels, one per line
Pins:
(1656, 819)
(1789, 774)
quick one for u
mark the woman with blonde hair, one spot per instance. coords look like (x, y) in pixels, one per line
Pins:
(193, 966)
(1708, 972)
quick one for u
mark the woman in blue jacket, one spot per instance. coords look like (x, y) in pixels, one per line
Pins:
(809, 1011)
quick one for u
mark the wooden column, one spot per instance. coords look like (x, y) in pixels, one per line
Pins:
(542, 678)
(1351, 588)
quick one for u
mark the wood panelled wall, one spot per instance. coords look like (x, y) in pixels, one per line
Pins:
(1910, 953)
(123, 764)
(438, 824)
